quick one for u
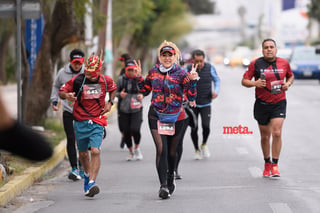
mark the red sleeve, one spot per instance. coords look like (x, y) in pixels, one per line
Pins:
(111, 85)
(67, 87)
(250, 72)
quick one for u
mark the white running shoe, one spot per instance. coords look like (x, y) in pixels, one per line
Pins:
(130, 156)
(197, 155)
(138, 155)
(205, 151)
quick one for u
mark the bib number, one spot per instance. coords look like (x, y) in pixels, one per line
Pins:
(276, 87)
(166, 128)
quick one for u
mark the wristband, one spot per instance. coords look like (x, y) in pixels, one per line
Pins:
(111, 101)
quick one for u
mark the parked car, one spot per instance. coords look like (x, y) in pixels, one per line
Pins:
(305, 63)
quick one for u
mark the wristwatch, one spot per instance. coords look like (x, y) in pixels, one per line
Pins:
(111, 101)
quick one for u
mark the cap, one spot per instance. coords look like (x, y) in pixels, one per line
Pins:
(167, 49)
(130, 64)
(124, 57)
(76, 55)
(93, 64)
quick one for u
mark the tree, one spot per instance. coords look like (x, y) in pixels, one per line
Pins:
(137, 28)
(314, 11)
(62, 27)
(198, 7)
(5, 35)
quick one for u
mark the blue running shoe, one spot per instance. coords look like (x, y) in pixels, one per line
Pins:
(81, 173)
(93, 189)
(86, 182)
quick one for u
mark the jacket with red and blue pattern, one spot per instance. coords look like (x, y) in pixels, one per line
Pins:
(168, 88)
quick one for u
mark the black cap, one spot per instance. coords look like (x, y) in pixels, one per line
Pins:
(130, 64)
(76, 55)
(167, 49)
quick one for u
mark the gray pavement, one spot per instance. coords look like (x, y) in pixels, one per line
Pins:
(229, 181)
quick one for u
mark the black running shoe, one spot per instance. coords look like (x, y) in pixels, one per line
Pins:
(164, 192)
(177, 176)
(171, 184)
(122, 143)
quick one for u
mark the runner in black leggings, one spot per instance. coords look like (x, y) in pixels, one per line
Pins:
(167, 81)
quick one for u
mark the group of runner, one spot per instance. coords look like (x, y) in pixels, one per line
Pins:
(178, 97)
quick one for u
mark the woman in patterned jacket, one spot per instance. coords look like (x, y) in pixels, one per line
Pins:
(167, 81)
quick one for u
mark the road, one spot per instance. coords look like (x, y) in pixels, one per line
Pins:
(229, 181)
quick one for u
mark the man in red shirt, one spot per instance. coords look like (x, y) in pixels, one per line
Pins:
(87, 93)
(272, 77)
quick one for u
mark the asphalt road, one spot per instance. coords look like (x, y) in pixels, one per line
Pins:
(230, 181)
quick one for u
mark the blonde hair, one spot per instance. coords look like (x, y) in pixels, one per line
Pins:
(171, 44)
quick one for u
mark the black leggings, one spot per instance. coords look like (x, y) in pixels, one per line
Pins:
(166, 147)
(130, 124)
(205, 113)
(180, 145)
(71, 142)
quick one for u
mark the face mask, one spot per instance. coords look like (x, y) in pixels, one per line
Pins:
(163, 69)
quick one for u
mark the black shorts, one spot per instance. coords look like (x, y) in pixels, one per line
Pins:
(263, 111)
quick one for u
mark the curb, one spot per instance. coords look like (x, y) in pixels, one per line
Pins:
(20, 183)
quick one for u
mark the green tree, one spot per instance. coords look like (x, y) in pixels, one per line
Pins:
(314, 9)
(201, 6)
(63, 25)
(314, 12)
(5, 34)
(140, 27)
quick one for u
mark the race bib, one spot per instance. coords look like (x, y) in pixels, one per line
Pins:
(135, 104)
(92, 91)
(166, 128)
(276, 87)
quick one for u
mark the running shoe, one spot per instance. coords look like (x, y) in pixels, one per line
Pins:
(177, 176)
(130, 156)
(205, 151)
(93, 189)
(138, 155)
(197, 155)
(164, 192)
(85, 183)
(74, 175)
(171, 184)
(81, 173)
(122, 143)
(267, 170)
(275, 170)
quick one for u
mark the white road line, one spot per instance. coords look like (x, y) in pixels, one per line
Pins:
(280, 208)
(255, 172)
(242, 151)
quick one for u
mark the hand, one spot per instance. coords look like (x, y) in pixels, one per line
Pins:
(214, 95)
(70, 96)
(260, 83)
(123, 94)
(192, 103)
(193, 74)
(285, 86)
(107, 107)
(139, 97)
(55, 107)
(138, 68)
